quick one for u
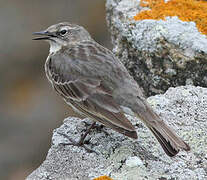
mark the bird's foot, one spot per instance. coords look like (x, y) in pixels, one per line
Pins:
(80, 143)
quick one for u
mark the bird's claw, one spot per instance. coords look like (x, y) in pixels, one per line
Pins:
(80, 143)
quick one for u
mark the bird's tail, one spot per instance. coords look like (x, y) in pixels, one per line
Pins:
(169, 141)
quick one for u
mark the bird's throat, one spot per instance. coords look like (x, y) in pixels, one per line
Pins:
(54, 47)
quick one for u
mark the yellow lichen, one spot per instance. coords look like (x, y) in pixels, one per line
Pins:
(103, 178)
(185, 10)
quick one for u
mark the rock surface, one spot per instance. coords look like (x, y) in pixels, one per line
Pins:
(158, 54)
(183, 108)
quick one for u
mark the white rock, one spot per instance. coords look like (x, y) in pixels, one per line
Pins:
(134, 161)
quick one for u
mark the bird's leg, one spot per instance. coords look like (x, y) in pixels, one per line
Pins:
(81, 141)
(83, 136)
(100, 128)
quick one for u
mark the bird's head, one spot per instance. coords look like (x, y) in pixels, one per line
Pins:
(63, 34)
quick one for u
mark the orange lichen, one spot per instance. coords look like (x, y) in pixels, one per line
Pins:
(103, 178)
(185, 10)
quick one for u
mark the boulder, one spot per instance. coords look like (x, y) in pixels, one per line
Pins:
(158, 54)
(121, 158)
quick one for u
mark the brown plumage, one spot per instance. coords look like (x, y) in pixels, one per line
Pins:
(96, 84)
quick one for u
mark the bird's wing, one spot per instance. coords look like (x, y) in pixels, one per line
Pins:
(89, 95)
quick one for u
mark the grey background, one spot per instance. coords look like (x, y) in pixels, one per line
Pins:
(29, 109)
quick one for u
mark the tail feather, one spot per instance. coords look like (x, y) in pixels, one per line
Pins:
(169, 141)
(167, 147)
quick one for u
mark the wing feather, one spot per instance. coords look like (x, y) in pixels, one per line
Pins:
(91, 99)
(89, 95)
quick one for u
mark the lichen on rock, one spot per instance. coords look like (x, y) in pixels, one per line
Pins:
(185, 10)
(121, 158)
(103, 178)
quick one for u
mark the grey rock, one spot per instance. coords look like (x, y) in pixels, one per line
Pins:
(183, 108)
(158, 54)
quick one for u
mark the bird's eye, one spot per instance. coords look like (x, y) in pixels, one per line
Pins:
(63, 32)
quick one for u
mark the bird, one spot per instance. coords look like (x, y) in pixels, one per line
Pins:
(95, 83)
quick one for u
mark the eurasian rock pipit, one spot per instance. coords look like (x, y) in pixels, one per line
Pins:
(96, 84)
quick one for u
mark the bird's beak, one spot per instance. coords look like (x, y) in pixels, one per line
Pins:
(45, 35)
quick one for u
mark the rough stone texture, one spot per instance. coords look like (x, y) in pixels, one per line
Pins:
(158, 54)
(183, 108)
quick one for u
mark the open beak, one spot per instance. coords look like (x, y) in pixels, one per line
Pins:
(45, 35)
